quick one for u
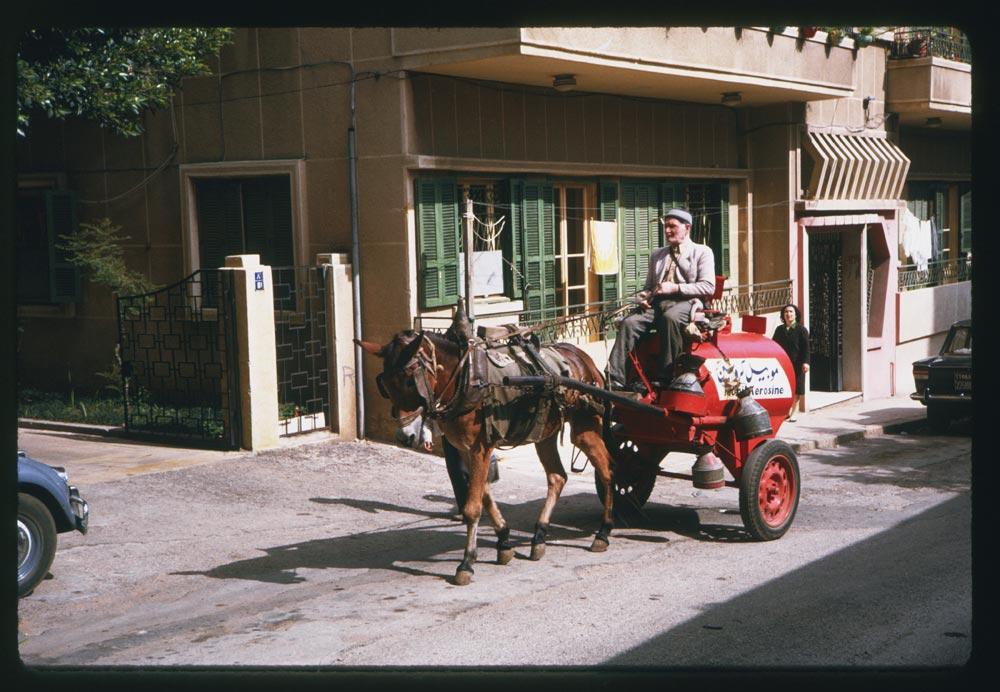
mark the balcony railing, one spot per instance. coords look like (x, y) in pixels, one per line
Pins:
(585, 321)
(934, 274)
(919, 42)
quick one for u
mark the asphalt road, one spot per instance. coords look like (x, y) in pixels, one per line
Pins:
(341, 555)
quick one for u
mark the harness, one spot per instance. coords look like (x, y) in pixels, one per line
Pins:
(511, 414)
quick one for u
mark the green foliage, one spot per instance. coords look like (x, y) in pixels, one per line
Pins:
(96, 248)
(94, 409)
(111, 76)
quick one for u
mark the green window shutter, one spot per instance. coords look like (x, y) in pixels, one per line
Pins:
(965, 223)
(940, 219)
(640, 209)
(608, 211)
(672, 195)
(718, 220)
(438, 241)
(267, 210)
(538, 249)
(61, 220)
(220, 221)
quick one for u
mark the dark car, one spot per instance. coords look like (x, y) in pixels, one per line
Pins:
(47, 505)
(944, 381)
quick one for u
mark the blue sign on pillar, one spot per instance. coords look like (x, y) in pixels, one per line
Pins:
(258, 281)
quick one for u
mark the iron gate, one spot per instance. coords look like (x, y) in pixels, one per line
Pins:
(177, 348)
(826, 292)
(300, 325)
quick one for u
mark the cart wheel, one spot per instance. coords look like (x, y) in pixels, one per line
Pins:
(634, 474)
(769, 490)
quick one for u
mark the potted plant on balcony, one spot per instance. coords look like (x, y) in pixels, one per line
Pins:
(864, 36)
(808, 31)
(834, 35)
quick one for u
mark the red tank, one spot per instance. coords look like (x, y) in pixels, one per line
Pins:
(734, 369)
(728, 398)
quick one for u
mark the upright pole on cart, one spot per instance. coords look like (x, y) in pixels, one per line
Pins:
(470, 309)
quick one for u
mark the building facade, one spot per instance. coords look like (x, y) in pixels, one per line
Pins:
(796, 156)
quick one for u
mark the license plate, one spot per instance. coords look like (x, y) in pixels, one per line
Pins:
(963, 381)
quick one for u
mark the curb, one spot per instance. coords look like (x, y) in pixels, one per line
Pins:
(68, 426)
(837, 439)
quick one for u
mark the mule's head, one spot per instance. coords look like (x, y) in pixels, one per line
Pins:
(402, 369)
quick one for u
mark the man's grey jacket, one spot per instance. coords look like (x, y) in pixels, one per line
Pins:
(695, 271)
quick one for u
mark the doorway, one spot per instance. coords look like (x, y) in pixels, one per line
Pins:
(574, 207)
(826, 308)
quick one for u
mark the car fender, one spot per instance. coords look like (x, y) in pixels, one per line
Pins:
(44, 482)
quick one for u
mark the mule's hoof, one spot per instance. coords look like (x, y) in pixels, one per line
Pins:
(537, 551)
(505, 556)
(463, 577)
(598, 546)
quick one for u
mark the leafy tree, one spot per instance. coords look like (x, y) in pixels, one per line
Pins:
(111, 76)
(97, 249)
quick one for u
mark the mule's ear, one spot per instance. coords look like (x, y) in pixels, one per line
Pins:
(374, 349)
(410, 350)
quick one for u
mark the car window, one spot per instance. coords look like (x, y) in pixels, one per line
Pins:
(959, 341)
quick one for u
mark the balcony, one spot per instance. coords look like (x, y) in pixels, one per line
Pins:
(930, 79)
(753, 65)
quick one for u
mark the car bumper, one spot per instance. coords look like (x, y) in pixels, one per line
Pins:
(81, 510)
(956, 399)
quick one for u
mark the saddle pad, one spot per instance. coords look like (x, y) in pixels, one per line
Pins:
(517, 415)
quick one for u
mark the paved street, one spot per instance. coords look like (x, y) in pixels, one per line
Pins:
(341, 554)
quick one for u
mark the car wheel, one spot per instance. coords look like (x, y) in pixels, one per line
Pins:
(938, 417)
(36, 542)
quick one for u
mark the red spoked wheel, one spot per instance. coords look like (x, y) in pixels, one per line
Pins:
(633, 473)
(769, 490)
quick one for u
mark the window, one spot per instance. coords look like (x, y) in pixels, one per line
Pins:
(545, 234)
(238, 216)
(965, 222)
(928, 201)
(44, 275)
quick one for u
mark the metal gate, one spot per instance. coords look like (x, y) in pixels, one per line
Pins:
(178, 352)
(826, 293)
(300, 325)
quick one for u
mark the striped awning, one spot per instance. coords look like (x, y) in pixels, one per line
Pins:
(854, 167)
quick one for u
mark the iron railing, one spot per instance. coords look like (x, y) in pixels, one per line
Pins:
(918, 42)
(178, 351)
(938, 273)
(589, 320)
(300, 325)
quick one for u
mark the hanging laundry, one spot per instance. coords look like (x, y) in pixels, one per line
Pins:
(604, 247)
(908, 229)
(923, 248)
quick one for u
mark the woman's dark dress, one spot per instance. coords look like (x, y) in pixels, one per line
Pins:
(795, 341)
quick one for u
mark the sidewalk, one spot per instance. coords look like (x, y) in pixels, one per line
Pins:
(834, 424)
(95, 454)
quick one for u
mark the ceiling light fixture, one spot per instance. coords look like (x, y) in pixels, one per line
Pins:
(732, 97)
(564, 82)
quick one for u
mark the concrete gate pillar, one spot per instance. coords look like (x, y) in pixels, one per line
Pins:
(258, 365)
(340, 338)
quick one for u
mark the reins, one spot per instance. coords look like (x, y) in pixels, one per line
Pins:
(434, 407)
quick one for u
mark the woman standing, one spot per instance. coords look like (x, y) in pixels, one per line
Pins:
(792, 336)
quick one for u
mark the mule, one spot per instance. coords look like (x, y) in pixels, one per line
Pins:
(427, 374)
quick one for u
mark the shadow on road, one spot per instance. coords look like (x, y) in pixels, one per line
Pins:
(855, 607)
(431, 536)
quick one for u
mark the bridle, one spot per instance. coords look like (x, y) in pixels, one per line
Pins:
(422, 368)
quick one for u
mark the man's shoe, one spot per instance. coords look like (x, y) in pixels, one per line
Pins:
(639, 388)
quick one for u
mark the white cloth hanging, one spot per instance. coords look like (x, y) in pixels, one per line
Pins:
(604, 247)
(923, 246)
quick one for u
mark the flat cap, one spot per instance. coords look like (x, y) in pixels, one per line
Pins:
(677, 214)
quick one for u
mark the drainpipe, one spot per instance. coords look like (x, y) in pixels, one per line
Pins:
(359, 394)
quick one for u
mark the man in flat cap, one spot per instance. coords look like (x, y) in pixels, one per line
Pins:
(680, 272)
